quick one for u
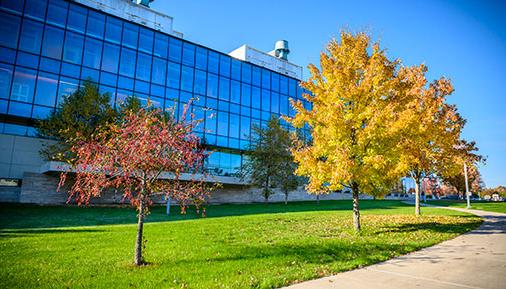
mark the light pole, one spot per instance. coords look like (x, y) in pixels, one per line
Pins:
(468, 197)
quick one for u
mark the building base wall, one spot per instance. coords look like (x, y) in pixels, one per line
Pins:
(42, 189)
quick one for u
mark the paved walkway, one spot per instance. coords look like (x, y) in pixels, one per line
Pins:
(476, 259)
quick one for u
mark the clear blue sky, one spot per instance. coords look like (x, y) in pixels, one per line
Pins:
(460, 39)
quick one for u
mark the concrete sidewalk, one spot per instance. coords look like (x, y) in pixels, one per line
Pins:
(476, 259)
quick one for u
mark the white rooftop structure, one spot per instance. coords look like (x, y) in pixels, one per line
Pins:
(268, 60)
(137, 13)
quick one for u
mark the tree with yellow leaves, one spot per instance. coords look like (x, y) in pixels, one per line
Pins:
(355, 101)
(429, 129)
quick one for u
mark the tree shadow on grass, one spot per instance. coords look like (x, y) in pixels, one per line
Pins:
(15, 233)
(432, 226)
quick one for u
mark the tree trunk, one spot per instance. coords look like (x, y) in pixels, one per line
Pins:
(417, 195)
(138, 260)
(356, 209)
(317, 199)
(286, 198)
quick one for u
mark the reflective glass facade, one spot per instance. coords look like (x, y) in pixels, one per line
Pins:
(49, 47)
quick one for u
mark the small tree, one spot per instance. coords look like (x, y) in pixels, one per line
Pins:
(79, 116)
(131, 155)
(354, 101)
(458, 181)
(270, 163)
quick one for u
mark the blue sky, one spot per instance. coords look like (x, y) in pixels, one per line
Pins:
(463, 40)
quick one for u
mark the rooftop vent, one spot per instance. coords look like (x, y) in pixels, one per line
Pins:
(143, 2)
(281, 50)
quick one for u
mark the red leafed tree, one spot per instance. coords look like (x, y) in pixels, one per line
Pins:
(131, 155)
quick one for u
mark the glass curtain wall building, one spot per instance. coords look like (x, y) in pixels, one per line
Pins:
(49, 47)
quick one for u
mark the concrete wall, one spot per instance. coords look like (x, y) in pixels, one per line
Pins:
(42, 189)
(18, 154)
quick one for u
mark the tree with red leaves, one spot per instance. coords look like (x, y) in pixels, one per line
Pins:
(146, 153)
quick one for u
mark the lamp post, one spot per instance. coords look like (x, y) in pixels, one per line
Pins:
(468, 197)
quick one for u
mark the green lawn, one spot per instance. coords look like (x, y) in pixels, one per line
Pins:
(499, 207)
(237, 246)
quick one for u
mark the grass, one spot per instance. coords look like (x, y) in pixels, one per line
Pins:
(237, 246)
(499, 207)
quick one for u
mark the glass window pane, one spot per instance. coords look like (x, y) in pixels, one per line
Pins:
(235, 91)
(41, 112)
(223, 123)
(5, 80)
(188, 54)
(175, 49)
(200, 82)
(20, 109)
(46, 89)
(225, 65)
(31, 36)
(23, 85)
(108, 78)
(92, 53)
(126, 83)
(275, 82)
(158, 74)
(173, 75)
(234, 126)
(66, 87)
(283, 85)
(96, 24)
(187, 78)
(90, 74)
(52, 44)
(212, 85)
(143, 67)
(246, 95)
(128, 61)
(245, 128)
(146, 40)
(27, 59)
(236, 69)
(7, 55)
(12, 5)
(210, 122)
(256, 77)
(213, 63)
(77, 18)
(36, 8)
(50, 65)
(246, 72)
(9, 29)
(201, 58)
(161, 45)
(141, 86)
(57, 12)
(113, 29)
(292, 87)
(275, 102)
(266, 79)
(224, 88)
(110, 58)
(283, 104)
(71, 70)
(224, 105)
(211, 103)
(73, 49)
(3, 109)
(255, 97)
(266, 100)
(130, 35)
